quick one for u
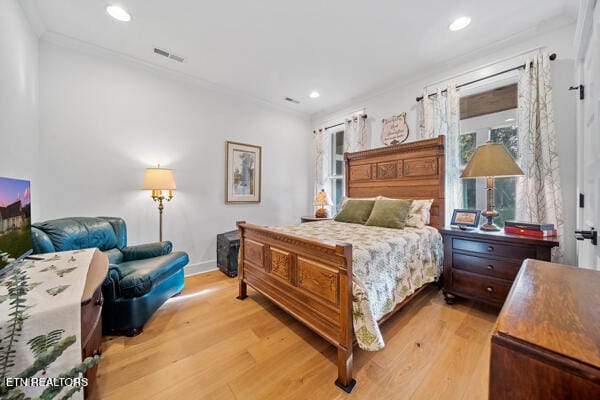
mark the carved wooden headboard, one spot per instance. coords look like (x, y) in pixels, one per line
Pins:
(412, 170)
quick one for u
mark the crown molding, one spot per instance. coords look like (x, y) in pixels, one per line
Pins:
(33, 15)
(71, 43)
(554, 24)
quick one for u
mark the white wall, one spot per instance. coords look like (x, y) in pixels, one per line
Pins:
(400, 97)
(18, 98)
(104, 120)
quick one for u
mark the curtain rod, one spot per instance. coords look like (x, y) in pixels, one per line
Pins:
(552, 58)
(341, 123)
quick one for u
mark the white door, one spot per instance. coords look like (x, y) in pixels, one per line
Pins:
(588, 131)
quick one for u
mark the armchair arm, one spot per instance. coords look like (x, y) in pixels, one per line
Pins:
(143, 251)
(110, 287)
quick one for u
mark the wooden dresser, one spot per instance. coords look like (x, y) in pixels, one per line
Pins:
(483, 265)
(546, 342)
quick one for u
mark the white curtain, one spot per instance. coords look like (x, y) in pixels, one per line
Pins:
(539, 195)
(321, 148)
(440, 115)
(355, 134)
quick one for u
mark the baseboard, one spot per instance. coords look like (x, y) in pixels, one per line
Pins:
(201, 267)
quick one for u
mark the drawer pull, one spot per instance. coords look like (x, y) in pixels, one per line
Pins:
(490, 248)
(490, 267)
(489, 289)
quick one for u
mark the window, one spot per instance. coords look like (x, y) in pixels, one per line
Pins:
(336, 174)
(499, 128)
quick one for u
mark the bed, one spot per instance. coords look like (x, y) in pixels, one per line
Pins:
(312, 278)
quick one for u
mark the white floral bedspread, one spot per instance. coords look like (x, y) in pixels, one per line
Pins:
(387, 265)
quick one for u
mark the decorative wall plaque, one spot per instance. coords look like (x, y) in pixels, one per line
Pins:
(394, 130)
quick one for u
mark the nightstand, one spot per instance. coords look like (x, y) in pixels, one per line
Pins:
(483, 265)
(312, 218)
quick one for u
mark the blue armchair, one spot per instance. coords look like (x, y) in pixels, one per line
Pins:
(140, 278)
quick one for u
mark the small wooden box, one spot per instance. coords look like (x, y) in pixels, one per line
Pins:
(228, 246)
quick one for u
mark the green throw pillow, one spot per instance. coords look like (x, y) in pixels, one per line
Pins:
(389, 213)
(355, 211)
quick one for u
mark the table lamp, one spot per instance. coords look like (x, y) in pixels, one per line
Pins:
(159, 179)
(491, 160)
(322, 200)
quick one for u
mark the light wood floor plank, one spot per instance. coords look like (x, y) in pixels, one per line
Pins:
(205, 344)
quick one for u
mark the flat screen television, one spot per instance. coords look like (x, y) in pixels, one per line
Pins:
(15, 220)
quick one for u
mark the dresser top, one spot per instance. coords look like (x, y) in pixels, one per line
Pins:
(500, 236)
(555, 307)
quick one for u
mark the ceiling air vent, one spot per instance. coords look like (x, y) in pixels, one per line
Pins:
(292, 100)
(167, 54)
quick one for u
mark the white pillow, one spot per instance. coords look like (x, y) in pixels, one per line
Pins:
(418, 216)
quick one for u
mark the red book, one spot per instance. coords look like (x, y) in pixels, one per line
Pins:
(530, 232)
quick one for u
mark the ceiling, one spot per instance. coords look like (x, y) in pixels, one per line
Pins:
(272, 49)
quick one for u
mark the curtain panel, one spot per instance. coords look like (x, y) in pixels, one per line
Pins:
(355, 139)
(539, 195)
(440, 115)
(355, 134)
(321, 147)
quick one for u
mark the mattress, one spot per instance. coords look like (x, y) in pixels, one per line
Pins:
(388, 265)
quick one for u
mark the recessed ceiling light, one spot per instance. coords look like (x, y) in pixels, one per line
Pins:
(510, 120)
(460, 23)
(118, 13)
(314, 94)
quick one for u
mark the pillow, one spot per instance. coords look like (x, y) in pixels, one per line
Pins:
(355, 211)
(389, 213)
(418, 215)
(345, 199)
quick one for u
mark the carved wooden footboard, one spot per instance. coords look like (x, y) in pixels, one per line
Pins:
(313, 281)
(310, 280)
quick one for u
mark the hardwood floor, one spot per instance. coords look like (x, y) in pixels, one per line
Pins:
(205, 344)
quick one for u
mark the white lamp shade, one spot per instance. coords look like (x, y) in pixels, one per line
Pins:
(322, 199)
(158, 179)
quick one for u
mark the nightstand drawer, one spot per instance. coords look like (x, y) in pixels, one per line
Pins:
(502, 269)
(494, 248)
(481, 286)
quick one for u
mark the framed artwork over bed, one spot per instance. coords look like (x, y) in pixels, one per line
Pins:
(242, 173)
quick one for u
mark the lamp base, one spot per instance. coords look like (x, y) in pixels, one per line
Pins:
(489, 227)
(322, 213)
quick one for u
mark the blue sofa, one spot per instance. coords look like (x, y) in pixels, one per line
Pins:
(140, 278)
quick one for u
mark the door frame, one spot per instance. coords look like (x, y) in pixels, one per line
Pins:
(583, 35)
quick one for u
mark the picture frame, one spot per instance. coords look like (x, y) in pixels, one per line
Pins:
(243, 168)
(465, 218)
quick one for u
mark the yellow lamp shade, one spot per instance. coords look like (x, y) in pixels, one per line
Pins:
(159, 179)
(491, 159)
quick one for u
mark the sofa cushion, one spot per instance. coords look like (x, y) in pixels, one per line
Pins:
(114, 256)
(120, 229)
(79, 233)
(141, 275)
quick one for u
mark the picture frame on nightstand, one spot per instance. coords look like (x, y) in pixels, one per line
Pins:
(465, 219)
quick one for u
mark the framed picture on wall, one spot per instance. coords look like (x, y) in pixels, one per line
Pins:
(243, 172)
(466, 218)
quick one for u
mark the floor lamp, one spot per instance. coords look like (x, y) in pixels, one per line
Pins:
(159, 179)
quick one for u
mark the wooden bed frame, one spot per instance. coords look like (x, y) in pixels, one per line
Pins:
(312, 280)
